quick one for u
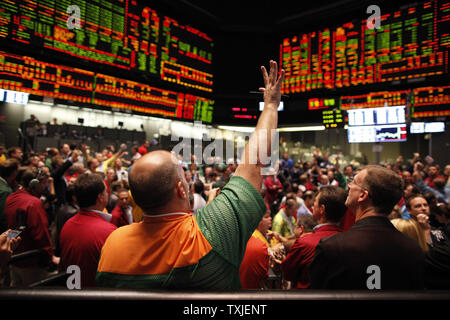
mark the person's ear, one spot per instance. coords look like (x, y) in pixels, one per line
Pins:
(100, 197)
(302, 229)
(180, 190)
(363, 196)
(322, 210)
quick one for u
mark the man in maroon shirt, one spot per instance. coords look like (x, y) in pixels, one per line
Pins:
(24, 208)
(273, 186)
(83, 235)
(329, 208)
(122, 213)
(433, 173)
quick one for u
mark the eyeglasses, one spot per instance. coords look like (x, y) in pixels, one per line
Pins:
(356, 184)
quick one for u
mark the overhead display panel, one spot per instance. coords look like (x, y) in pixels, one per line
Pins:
(82, 87)
(431, 102)
(124, 34)
(411, 43)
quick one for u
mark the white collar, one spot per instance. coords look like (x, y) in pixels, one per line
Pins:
(165, 214)
(326, 224)
(102, 214)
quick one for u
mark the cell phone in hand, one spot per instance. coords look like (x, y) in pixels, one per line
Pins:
(12, 234)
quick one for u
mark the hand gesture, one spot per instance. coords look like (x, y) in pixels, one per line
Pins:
(276, 235)
(272, 85)
(213, 193)
(423, 221)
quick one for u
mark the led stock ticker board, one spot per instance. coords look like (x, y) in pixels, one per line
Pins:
(431, 102)
(26, 74)
(411, 43)
(125, 34)
(333, 119)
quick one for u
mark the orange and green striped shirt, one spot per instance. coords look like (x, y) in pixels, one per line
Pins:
(184, 251)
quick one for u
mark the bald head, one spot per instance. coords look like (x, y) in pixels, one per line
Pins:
(153, 178)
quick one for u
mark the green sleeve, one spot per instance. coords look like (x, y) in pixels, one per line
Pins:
(230, 219)
(342, 180)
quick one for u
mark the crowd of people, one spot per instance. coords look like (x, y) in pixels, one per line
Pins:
(155, 221)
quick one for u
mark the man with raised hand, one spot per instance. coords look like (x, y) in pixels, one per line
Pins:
(171, 248)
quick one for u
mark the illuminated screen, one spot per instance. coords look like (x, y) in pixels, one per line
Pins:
(434, 127)
(25, 74)
(125, 34)
(411, 43)
(376, 116)
(417, 127)
(386, 133)
(427, 127)
(14, 96)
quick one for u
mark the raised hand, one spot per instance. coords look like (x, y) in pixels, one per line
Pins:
(272, 83)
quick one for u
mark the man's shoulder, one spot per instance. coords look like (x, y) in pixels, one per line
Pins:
(79, 222)
(335, 239)
(123, 232)
(278, 217)
(256, 244)
(4, 187)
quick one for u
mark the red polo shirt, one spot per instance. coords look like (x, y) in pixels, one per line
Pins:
(255, 265)
(272, 189)
(81, 241)
(295, 266)
(142, 150)
(36, 234)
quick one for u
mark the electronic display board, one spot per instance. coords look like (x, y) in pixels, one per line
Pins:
(375, 99)
(383, 133)
(431, 127)
(26, 74)
(431, 102)
(411, 43)
(14, 96)
(333, 118)
(322, 103)
(427, 127)
(125, 34)
(376, 116)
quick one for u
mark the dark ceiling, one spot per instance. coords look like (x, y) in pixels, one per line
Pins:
(269, 16)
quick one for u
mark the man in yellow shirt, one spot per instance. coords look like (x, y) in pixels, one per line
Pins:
(284, 220)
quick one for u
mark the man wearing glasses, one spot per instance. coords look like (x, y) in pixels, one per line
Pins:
(372, 254)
